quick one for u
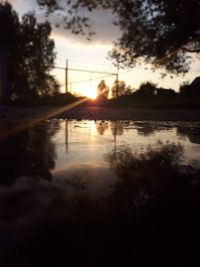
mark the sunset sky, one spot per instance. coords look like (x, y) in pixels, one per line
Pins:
(83, 54)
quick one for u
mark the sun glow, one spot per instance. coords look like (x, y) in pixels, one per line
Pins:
(88, 91)
(92, 95)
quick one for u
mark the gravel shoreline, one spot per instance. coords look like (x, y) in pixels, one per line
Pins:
(15, 114)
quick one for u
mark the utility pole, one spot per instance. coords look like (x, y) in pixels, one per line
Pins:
(68, 82)
(66, 76)
(66, 136)
(117, 80)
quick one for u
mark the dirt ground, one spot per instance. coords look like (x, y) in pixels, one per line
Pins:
(99, 113)
(14, 114)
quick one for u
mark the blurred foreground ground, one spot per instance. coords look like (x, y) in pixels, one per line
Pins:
(102, 113)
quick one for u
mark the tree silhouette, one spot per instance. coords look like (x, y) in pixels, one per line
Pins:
(162, 32)
(30, 54)
(147, 89)
(191, 90)
(9, 25)
(119, 88)
(102, 89)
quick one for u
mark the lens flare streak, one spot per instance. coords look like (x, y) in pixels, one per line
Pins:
(25, 124)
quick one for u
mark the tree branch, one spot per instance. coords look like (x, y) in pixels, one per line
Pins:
(191, 50)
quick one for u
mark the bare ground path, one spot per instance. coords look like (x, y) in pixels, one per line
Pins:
(14, 114)
(102, 113)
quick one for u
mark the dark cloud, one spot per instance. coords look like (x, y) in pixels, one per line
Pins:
(101, 24)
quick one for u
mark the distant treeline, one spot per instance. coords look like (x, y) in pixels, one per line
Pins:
(147, 96)
(148, 89)
(150, 96)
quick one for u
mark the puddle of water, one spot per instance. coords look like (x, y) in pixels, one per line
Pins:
(66, 151)
(83, 187)
(81, 146)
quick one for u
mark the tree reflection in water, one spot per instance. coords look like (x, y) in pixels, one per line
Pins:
(150, 217)
(144, 178)
(101, 127)
(152, 178)
(150, 128)
(117, 128)
(191, 132)
(29, 153)
(156, 202)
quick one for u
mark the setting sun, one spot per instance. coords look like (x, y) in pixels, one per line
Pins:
(91, 94)
(88, 90)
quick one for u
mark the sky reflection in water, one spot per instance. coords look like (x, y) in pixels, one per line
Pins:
(81, 148)
(75, 153)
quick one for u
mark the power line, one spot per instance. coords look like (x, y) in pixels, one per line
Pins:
(88, 71)
(78, 62)
(88, 80)
(93, 79)
(67, 69)
(92, 71)
(59, 68)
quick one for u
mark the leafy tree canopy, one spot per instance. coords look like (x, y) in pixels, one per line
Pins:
(9, 24)
(160, 32)
(30, 53)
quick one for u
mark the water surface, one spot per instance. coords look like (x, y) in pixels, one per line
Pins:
(74, 153)
(82, 146)
(74, 190)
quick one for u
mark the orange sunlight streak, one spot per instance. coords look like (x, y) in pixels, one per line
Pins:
(30, 122)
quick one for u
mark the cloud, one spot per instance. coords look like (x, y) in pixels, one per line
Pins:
(101, 22)
(23, 6)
